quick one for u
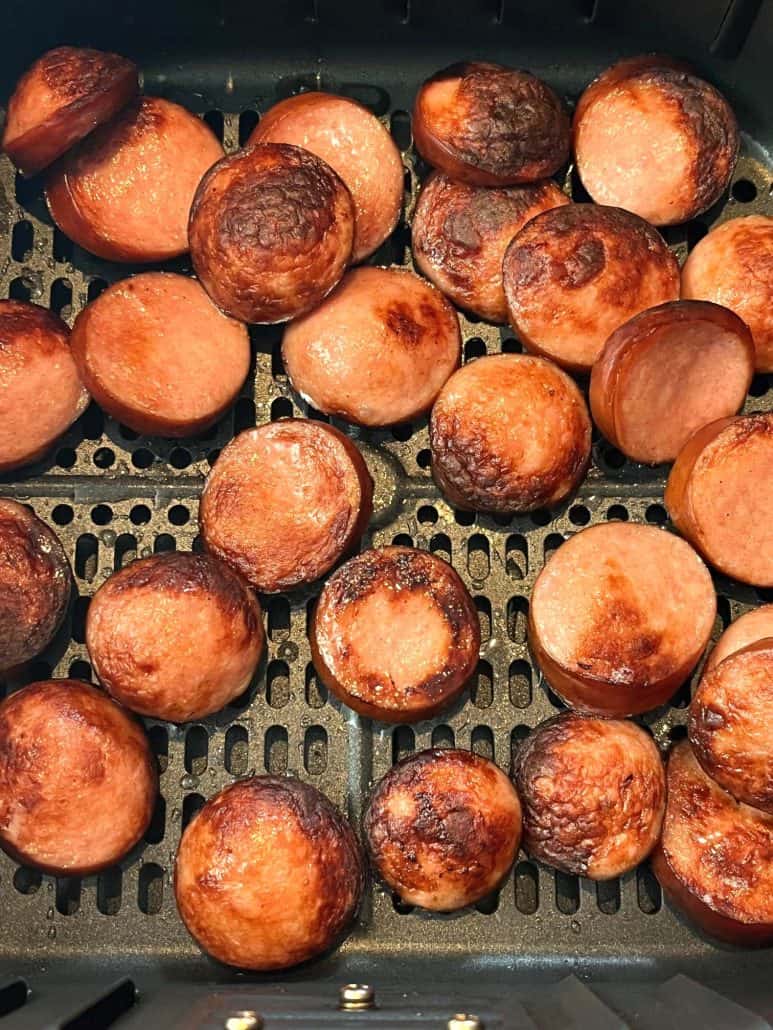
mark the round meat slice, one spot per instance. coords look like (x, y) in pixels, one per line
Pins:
(733, 265)
(125, 192)
(35, 584)
(574, 274)
(443, 828)
(509, 433)
(61, 98)
(422, 648)
(593, 793)
(715, 856)
(158, 355)
(376, 351)
(175, 636)
(490, 126)
(268, 874)
(653, 138)
(720, 494)
(460, 234)
(78, 780)
(666, 373)
(748, 629)
(284, 502)
(356, 145)
(619, 617)
(271, 232)
(41, 394)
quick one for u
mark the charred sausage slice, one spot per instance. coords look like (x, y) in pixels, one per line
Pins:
(748, 629)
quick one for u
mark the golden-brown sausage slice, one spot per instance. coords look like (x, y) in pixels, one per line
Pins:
(175, 636)
(285, 501)
(490, 126)
(377, 350)
(715, 856)
(271, 232)
(158, 355)
(395, 634)
(748, 629)
(619, 617)
(667, 372)
(720, 494)
(61, 98)
(125, 192)
(78, 780)
(268, 874)
(574, 274)
(733, 265)
(460, 234)
(509, 433)
(443, 828)
(593, 794)
(41, 394)
(356, 145)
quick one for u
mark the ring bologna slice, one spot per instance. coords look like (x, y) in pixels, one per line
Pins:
(719, 496)
(175, 636)
(158, 355)
(509, 432)
(715, 856)
(748, 629)
(653, 138)
(730, 728)
(41, 394)
(460, 234)
(356, 145)
(284, 502)
(125, 192)
(35, 584)
(619, 617)
(377, 350)
(667, 372)
(443, 828)
(574, 274)
(395, 634)
(490, 126)
(268, 874)
(733, 265)
(271, 232)
(61, 98)
(593, 794)
(78, 780)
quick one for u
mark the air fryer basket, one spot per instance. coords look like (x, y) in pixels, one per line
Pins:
(112, 496)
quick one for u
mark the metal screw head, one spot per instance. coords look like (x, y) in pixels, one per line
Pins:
(356, 998)
(464, 1021)
(244, 1020)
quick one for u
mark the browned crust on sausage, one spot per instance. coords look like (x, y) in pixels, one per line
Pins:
(628, 68)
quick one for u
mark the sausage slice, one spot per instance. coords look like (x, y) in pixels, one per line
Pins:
(641, 606)
(125, 192)
(419, 653)
(41, 394)
(356, 145)
(271, 232)
(285, 501)
(61, 98)
(574, 274)
(667, 372)
(158, 355)
(175, 636)
(377, 350)
(443, 828)
(460, 234)
(78, 780)
(715, 856)
(593, 793)
(268, 874)
(490, 126)
(509, 433)
(719, 496)
(748, 629)
(652, 137)
(733, 265)
(35, 584)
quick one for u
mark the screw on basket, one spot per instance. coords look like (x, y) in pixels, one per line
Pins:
(356, 998)
(465, 1021)
(244, 1020)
